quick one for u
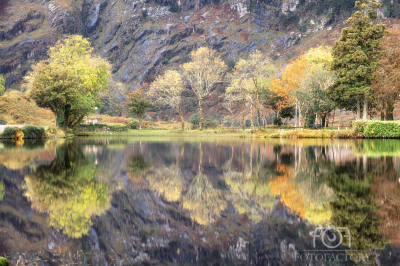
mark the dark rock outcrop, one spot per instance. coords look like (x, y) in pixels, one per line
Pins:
(93, 20)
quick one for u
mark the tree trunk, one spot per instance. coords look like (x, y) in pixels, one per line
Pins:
(67, 111)
(258, 112)
(182, 119)
(358, 109)
(365, 109)
(201, 102)
(300, 115)
(243, 122)
(251, 117)
(140, 123)
(323, 118)
(389, 111)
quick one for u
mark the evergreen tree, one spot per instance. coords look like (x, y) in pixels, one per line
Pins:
(354, 56)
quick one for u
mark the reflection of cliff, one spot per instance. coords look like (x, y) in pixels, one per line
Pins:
(68, 191)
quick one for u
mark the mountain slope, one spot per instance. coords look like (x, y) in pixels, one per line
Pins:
(140, 47)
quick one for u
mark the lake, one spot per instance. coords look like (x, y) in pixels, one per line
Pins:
(200, 201)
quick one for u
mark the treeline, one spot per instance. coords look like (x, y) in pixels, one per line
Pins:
(359, 74)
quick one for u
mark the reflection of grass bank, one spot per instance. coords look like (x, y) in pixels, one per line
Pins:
(309, 134)
(177, 133)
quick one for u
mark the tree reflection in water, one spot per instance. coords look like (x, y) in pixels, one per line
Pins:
(167, 182)
(250, 193)
(68, 191)
(2, 192)
(355, 208)
(202, 200)
(252, 203)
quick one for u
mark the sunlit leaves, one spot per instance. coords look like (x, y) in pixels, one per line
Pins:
(283, 88)
(69, 80)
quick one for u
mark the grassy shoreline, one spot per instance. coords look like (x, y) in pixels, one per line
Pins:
(360, 130)
(170, 133)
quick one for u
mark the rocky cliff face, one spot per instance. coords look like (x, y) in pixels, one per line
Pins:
(140, 47)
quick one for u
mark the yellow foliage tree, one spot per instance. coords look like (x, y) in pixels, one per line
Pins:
(237, 95)
(319, 57)
(256, 70)
(167, 90)
(285, 87)
(203, 72)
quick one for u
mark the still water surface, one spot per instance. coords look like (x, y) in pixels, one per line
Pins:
(190, 201)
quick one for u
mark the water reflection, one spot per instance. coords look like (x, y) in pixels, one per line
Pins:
(197, 201)
(68, 190)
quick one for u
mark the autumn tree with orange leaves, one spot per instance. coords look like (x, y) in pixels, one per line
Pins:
(386, 85)
(280, 94)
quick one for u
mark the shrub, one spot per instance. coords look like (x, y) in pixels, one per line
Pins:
(3, 121)
(175, 9)
(132, 123)
(14, 133)
(194, 119)
(4, 261)
(210, 123)
(144, 13)
(277, 121)
(382, 129)
(358, 127)
(117, 127)
(236, 123)
(303, 26)
(248, 123)
(32, 132)
(54, 132)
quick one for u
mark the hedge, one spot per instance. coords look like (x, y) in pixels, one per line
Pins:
(358, 126)
(12, 133)
(32, 132)
(117, 127)
(91, 127)
(382, 129)
(132, 123)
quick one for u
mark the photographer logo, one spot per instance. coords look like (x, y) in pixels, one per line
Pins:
(332, 237)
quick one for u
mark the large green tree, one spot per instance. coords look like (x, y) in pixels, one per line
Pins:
(354, 58)
(69, 81)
